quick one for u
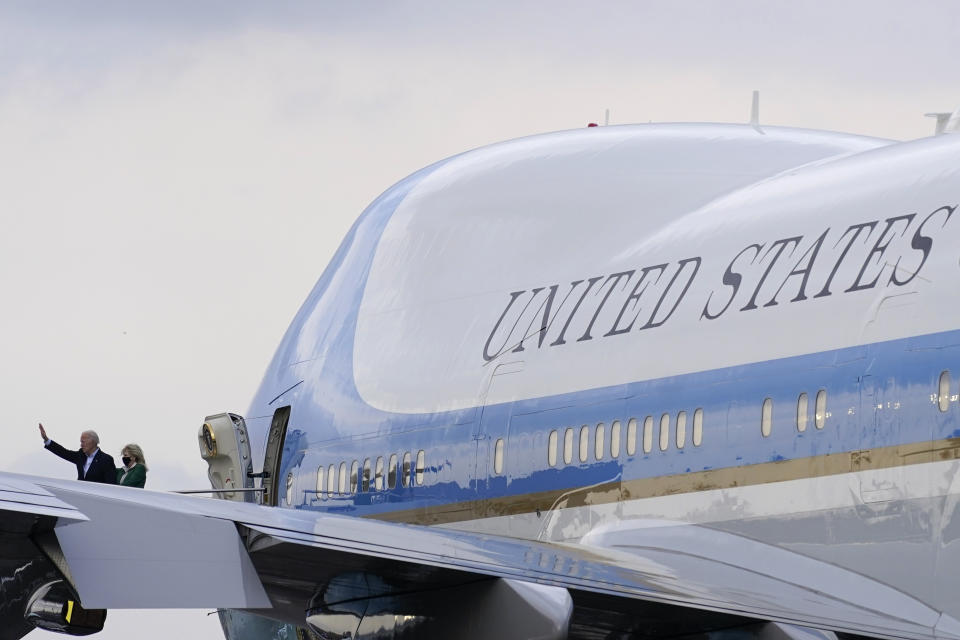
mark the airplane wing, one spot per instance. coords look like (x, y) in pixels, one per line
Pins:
(117, 547)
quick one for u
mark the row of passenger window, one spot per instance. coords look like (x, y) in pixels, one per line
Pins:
(600, 449)
(820, 414)
(680, 434)
(942, 399)
(335, 481)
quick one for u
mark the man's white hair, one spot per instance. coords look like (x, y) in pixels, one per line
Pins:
(92, 434)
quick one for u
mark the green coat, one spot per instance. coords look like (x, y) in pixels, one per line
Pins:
(136, 477)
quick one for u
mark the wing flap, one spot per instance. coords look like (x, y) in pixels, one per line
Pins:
(130, 554)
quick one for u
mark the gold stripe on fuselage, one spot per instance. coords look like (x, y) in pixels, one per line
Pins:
(747, 475)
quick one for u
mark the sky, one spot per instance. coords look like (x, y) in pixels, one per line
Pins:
(175, 176)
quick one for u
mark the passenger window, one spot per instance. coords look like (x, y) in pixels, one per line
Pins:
(342, 485)
(552, 449)
(421, 466)
(584, 442)
(648, 434)
(681, 429)
(664, 431)
(697, 427)
(366, 475)
(354, 476)
(405, 477)
(392, 472)
(321, 474)
(331, 480)
(615, 438)
(820, 415)
(766, 417)
(598, 441)
(568, 445)
(631, 436)
(803, 403)
(943, 395)
(498, 457)
(378, 474)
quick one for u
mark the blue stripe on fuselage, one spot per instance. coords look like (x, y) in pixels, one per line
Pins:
(331, 423)
(878, 395)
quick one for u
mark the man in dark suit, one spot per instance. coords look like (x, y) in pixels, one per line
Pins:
(93, 465)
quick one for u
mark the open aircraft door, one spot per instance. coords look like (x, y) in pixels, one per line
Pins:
(225, 446)
(269, 479)
(880, 458)
(886, 463)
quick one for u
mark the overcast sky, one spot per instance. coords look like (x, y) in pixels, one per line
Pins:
(175, 176)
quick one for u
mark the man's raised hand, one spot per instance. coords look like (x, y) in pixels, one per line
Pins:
(43, 433)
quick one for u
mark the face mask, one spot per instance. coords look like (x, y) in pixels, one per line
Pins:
(126, 460)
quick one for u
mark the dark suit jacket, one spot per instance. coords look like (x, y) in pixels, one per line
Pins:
(101, 469)
(136, 477)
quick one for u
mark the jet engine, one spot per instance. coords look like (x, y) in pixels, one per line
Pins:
(53, 607)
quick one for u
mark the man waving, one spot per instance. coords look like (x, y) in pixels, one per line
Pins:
(92, 464)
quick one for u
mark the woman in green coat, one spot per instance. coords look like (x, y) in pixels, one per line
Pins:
(133, 473)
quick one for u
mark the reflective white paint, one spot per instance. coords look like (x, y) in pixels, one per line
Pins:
(520, 215)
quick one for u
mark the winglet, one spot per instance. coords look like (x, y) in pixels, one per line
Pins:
(953, 124)
(946, 122)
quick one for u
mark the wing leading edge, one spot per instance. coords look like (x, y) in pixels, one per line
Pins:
(129, 548)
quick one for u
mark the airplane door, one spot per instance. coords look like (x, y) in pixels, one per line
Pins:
(494, 424)
(225, 446)
(271, 459)
(880, 458)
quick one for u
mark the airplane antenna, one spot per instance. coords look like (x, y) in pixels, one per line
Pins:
(755, 112)
(946, 122)
(606, 118)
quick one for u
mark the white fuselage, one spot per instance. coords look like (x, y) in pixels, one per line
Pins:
(610, 335)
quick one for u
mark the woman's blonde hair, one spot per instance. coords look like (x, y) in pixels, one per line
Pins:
(136, 453)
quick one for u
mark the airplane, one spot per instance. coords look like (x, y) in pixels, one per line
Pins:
(654, 381)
